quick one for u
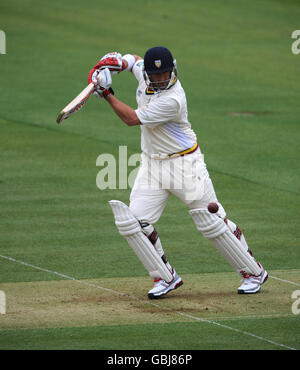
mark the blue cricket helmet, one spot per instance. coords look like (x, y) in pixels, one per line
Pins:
(158, 60)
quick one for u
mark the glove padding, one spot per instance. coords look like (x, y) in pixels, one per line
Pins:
(102, 83)
(113, 61)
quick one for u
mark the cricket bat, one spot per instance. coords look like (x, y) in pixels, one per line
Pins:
(76, 104)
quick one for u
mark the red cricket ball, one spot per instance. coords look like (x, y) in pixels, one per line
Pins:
(213, 207)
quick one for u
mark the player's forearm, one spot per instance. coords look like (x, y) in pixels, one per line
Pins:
(131, 59)
(126, 113)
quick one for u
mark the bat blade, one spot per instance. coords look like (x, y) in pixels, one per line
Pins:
(76, 104)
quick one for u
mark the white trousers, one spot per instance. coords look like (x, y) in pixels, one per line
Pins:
(186, 177)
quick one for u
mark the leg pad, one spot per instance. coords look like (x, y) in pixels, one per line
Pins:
(215, 229)
(130, 228)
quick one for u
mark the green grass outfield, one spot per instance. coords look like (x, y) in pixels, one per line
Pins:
(70, 280)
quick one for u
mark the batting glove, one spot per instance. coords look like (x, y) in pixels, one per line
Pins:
(112, 61)
(102, 84)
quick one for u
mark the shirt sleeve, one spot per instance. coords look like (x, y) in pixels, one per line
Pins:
(159, 111)
(137, 70)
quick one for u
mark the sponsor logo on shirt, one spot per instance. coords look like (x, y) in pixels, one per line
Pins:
(140, 63)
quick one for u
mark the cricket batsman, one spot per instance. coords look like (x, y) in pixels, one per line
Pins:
(171, 164)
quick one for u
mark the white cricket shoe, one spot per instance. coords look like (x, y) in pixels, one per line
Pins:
(252, 283)
(161, 287)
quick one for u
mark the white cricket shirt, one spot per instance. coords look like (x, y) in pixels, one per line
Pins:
(165, 127)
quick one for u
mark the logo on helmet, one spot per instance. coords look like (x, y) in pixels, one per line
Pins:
(157, 63)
